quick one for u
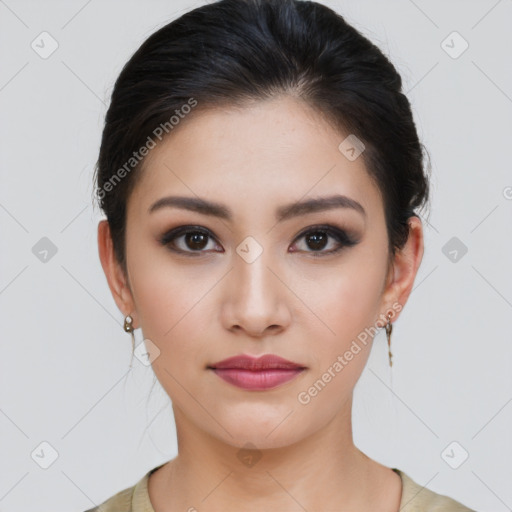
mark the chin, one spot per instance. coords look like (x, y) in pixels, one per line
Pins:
(260, 435)
(258, 441)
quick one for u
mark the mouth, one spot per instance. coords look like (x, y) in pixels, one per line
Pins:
(250, 373)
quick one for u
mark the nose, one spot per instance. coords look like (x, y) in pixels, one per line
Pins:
(255, 301)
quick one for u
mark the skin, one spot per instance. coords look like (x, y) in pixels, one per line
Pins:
(203, 308)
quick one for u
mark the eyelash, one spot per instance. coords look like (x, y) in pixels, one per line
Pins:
(342, 237)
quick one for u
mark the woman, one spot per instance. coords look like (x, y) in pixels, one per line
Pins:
(260, 172)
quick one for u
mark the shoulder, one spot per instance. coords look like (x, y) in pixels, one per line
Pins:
(120, 502)
(131, 499)
(416, 498)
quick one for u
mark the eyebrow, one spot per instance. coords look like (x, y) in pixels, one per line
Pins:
(285, 212)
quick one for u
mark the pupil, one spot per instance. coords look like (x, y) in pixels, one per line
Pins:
(197, 240)
(319, 240)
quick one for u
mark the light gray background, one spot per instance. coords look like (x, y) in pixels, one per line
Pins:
(64, 367)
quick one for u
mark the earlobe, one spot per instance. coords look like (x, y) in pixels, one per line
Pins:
(405, 266)
(113, 272)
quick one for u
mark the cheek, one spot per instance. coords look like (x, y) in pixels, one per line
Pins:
(170, 302)
(348, 297)
(159, 287)
(171, 312)
(349, 308)
(357, 298)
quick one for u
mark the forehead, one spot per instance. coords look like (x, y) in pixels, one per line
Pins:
(274, 151)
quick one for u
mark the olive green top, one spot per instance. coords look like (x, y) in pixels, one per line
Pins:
(415, 498)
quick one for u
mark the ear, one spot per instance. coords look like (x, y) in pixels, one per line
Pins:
(117, 281)
(403, 270)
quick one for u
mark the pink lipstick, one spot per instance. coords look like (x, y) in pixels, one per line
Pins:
(251, 373)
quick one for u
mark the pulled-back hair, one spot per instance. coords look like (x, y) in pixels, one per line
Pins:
(237, 52)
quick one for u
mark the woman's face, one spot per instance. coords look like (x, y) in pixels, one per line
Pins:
(267, 278)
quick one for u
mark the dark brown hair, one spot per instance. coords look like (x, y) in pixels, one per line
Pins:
(231, 52)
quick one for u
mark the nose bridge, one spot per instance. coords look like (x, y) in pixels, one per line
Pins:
(257, 295)
(254, 279)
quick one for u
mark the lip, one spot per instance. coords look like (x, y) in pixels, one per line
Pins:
(256, 373)
(265, 362)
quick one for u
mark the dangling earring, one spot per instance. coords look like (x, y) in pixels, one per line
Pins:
(389, 328)
(128, 327)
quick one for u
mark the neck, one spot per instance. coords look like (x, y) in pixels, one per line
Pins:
(324, 471)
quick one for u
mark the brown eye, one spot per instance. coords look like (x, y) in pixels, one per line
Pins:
(317, 239)
(187, 240)
(196, 241)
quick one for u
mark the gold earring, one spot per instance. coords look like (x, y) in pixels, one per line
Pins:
(389, 328)
(128, 327)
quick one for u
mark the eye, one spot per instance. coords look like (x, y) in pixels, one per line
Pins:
(317, 238)
(193, 240)
(187, 239)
